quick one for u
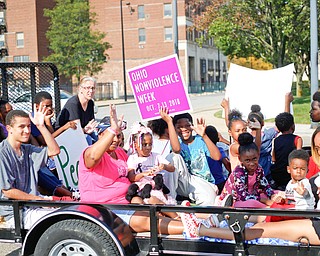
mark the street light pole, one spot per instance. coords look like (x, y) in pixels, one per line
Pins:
(123, 55)
(314, 50)
(175, 26)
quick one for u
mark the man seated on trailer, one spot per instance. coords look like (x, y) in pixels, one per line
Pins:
(20, 162)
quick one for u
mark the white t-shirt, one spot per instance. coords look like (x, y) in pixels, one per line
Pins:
(161, 147)
(146, 162)
(300, 201)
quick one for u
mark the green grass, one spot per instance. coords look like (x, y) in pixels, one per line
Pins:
(301, 108)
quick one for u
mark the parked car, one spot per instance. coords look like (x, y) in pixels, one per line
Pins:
(24, 101)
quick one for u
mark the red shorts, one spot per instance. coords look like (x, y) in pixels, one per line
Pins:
(280, 218)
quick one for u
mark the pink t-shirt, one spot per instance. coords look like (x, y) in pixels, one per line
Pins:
(252, 179)
(234, 160)
(107, 182)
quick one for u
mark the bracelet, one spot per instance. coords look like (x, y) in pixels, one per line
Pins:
(114, 132)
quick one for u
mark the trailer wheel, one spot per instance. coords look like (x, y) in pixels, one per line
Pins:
(75, 237)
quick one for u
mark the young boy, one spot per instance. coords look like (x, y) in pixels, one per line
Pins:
(46, 100)
(282, 147)
(47, 175)
(298, 193)
(195, 149)
(298, 190)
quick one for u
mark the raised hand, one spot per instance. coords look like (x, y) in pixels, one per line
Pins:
(225, 103)
(289, 97)
(47, 118)
(201, 127)
(164, 113)
(300, 189)
(254, 125)
(91, 126)
(39, 115)
(115, 122)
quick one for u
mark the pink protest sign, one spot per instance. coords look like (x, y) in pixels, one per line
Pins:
(159, 84)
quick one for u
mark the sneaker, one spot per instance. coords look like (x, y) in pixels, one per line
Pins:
(190, 222)
(211, 222)
(185, 203)
(227, 201)
(76, 195)
(191, 225)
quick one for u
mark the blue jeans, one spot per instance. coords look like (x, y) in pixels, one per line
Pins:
(47, 180)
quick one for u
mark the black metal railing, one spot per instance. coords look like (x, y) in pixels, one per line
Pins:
(156, 244)
(198, 87)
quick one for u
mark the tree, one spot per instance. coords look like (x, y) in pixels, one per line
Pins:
(76, 48)
(276, 31)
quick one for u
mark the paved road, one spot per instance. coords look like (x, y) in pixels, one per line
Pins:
(10, 249)
(203, 106)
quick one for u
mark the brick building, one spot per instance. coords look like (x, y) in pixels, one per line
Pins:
(23, 38)
(149, 35)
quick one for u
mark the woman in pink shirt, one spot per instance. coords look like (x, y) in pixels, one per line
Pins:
(103, 179)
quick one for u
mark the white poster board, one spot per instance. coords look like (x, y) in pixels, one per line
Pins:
(71, 143)
(267, 88)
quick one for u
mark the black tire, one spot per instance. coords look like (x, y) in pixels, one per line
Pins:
(75, 237)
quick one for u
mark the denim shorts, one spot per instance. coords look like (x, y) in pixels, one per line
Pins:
(125, 215)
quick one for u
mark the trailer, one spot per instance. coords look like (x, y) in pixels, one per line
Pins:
(93, 229)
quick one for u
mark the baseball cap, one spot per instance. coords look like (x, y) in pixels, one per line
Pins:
(105, 123)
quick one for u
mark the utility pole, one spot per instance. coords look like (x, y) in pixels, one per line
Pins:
(314, 49)
(175, 26)
(123, 55)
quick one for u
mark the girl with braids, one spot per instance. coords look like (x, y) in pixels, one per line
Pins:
(143, 164)
(236, 126)
(247, 183)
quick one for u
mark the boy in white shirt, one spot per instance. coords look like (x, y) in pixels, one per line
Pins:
(298, 193)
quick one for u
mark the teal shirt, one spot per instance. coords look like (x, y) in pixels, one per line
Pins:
(195, 156)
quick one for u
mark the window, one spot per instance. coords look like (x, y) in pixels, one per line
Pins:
(1, 17)
(210, 71)
(142, 35)
(167, 10)
(141, 12)
(2, 41)
(218, 70)
(168, 34)
(20, 39)
(210, 65)
(224, 71)
(190, 34)
(20, 58)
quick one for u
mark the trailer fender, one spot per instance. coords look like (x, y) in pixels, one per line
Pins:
(119, 231)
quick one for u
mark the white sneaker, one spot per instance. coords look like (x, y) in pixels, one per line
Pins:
(211, 222)
(227, 201)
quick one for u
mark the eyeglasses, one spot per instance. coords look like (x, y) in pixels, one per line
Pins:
(89, 88)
